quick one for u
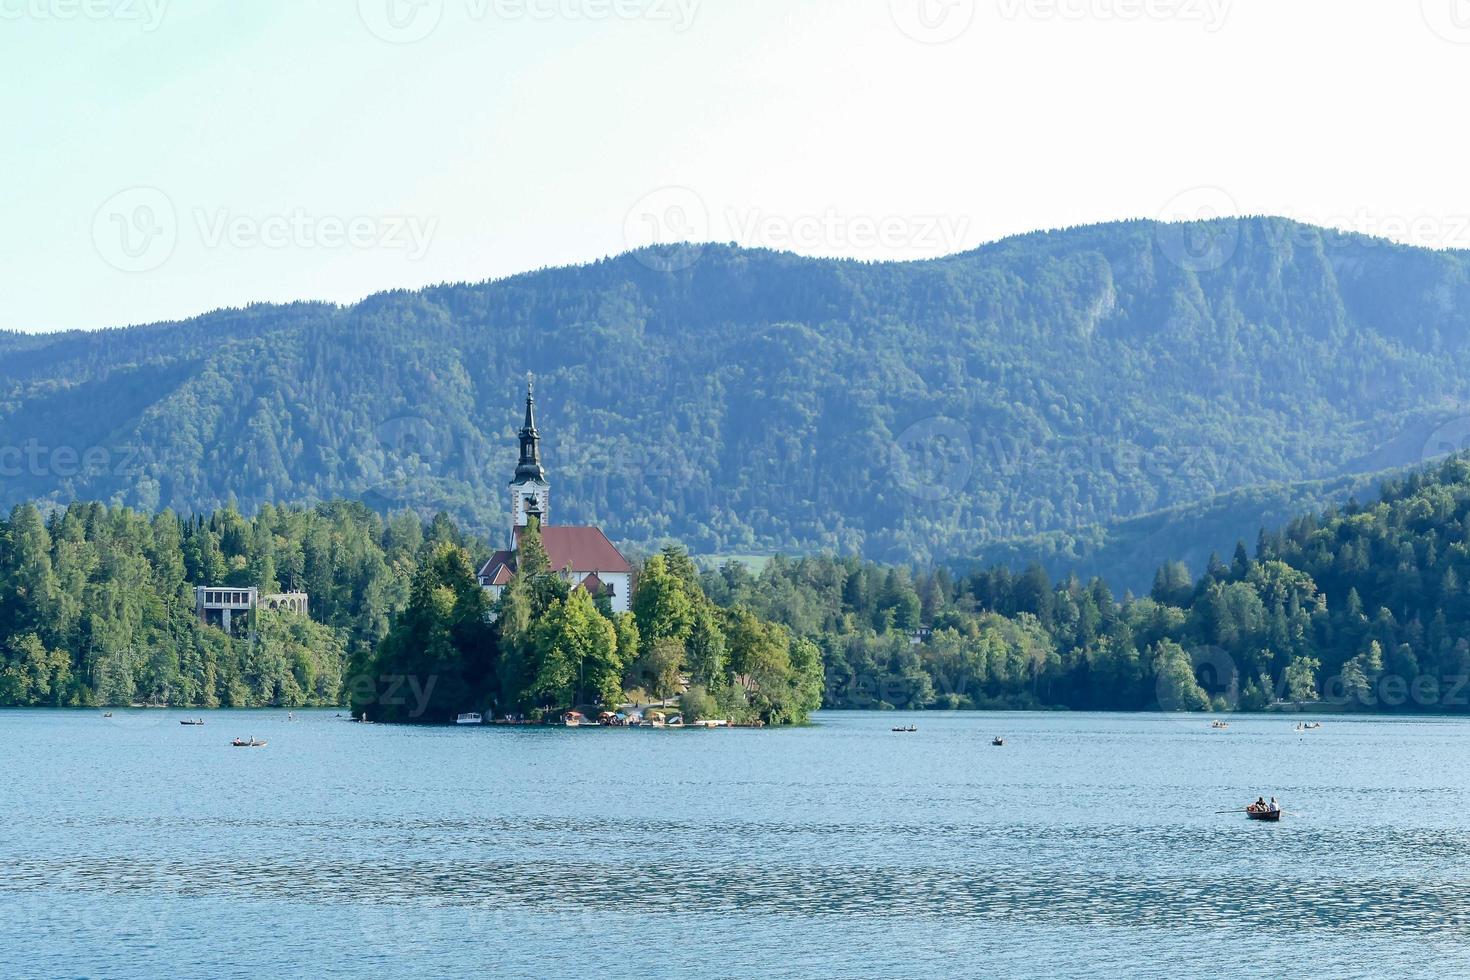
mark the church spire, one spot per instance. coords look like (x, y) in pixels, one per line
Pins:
(530, 404)
(530, 467)
(530, 494)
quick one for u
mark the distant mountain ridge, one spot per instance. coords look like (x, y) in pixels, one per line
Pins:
(752, 401)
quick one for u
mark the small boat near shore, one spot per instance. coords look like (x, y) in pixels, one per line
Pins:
(192, 722)
(470, 718)
(248, 743)
(910, 729)
(997, 741)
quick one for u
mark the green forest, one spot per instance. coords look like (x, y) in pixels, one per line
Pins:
(1361, 607)
(761, 403)
(97, 608)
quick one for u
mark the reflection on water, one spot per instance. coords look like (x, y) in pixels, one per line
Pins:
(1089, 845)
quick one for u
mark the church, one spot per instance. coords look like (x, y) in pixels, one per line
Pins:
(581, 555)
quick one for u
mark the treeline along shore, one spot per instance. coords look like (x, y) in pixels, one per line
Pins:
(1363, 608)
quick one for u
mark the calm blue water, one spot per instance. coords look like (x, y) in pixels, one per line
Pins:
(1087, 846)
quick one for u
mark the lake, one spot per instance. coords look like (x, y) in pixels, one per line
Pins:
(1088, 845)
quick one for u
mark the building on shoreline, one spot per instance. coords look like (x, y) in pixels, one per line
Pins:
(582, 555)
(219, 605)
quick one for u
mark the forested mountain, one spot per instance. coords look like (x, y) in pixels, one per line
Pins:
(754, 401)
(1365, 607)
(1127, 553)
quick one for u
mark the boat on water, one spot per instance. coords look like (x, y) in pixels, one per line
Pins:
(1263, 813)
(997, 742)
(107, 714)
(1219, 725)
(574, 719)
(248, 743)
(909, 729)
(470, 718)
(192, 721)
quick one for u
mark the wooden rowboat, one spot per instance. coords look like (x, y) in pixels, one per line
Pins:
(1270, 816)
(241, 743)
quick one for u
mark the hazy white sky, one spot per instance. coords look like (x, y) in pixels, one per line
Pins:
(166, 157)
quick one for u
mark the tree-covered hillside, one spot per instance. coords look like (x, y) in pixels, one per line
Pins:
(757, 401)
(1127, 553)
(1362, 607)
(1359, 608)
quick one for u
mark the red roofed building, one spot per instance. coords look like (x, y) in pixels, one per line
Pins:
(582, 555)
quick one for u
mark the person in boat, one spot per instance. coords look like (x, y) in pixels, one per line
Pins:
(1259, 805)
(1274, 807)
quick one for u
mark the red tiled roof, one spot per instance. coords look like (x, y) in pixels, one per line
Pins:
(592, 584)
(583, 549)
(499, 568)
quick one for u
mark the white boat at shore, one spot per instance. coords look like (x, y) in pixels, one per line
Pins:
(470, 718)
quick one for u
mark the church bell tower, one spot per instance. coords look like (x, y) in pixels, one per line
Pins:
(529, 491)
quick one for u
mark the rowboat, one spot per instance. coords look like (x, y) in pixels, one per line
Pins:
(192, 721)
(1270, 816)
(911, 729)
(997, 742)
(248, 743)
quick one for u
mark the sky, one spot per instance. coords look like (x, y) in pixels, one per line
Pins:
(162, 158)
